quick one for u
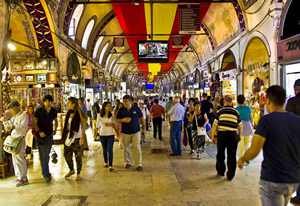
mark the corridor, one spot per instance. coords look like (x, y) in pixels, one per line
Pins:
(165, 181)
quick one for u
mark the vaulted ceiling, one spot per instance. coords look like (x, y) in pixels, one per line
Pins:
(134, 20)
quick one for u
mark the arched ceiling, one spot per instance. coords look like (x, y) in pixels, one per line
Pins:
(220, 22)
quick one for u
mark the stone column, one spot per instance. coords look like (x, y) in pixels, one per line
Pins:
(3, 31)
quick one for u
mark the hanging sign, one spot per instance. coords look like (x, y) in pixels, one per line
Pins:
(289, 49)
(228, 75)
(190, 19)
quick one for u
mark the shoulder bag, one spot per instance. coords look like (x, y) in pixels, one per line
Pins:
(12, 144)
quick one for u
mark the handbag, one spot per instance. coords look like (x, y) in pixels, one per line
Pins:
(12, 144)
(70, 140)
(200, 130)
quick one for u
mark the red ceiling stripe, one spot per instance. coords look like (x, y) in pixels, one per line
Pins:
(132, 21)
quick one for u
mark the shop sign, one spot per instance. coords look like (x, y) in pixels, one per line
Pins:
(228, 75)
(289, 49)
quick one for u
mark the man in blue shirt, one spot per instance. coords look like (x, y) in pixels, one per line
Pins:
(130, 117)
(278, 135)
(176, 114)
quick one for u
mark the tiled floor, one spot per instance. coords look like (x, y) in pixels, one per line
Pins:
(165, 181)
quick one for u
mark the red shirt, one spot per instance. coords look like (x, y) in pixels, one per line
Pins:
(157, 111)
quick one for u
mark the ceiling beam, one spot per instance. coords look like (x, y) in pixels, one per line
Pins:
(136, 2)
(149, 35)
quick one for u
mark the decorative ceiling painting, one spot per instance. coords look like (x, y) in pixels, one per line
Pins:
(137, 21)
(222, 21)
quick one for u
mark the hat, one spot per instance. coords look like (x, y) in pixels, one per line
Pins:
(13, 104)
(297, 83)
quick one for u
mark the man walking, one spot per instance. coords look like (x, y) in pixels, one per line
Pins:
(293, 106)
(226, 130)
(43, 131)
(157, 112)
(176, 114)
(130, 117)
(278, 135)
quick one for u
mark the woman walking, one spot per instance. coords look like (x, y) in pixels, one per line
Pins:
(72, 137)
(247, 131)
(107, 129)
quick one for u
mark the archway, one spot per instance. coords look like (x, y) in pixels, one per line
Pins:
(256, 75)
(228, 74)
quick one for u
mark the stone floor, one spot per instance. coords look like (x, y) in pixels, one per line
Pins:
(165, 181)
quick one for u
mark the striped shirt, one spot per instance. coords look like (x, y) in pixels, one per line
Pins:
(228, 119)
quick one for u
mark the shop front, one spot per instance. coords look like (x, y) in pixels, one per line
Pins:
(32, 79)
(289, 47)
(256, 76)
(228, 75)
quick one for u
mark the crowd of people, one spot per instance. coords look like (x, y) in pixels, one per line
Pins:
(191, 124)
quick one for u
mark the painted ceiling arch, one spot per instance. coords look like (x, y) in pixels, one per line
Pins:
(22, 31)
(98, 29)
(91, 10)
(42, 26)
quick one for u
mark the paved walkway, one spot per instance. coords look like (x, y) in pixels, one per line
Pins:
(165, 181)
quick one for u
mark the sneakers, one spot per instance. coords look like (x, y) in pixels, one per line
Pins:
(48, 179)
(111, 169)
(105, 165)
(139, 168)
(22, 183)
(69, 174)
(295, 200)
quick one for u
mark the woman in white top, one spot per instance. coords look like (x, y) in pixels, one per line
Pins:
(107, 128)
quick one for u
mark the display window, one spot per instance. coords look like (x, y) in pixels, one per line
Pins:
(256, 76)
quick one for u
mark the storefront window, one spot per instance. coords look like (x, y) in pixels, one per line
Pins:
(292, 72)
(256, 76)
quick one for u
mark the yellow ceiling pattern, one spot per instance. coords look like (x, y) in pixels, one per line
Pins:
(90, 10)
(22, 31)
(222, 21)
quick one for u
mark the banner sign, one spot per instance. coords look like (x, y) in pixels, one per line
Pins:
(289, 49)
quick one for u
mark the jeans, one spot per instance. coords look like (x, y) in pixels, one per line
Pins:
(226, 140)
(107, 145)
(19, 162)
(44, 148)
(132, 141)
(157, 127)
(68, 153)
(189, 131)
(175, 140)
(276, 194)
